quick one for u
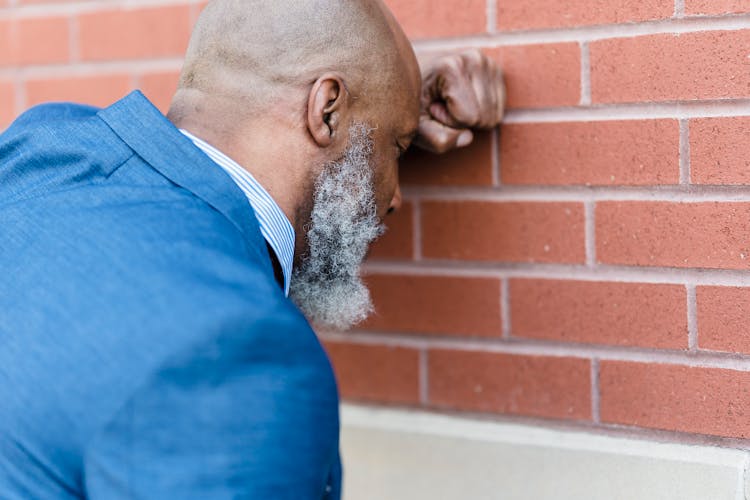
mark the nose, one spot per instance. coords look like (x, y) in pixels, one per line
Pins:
(396, 201)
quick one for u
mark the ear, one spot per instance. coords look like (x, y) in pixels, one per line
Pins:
(327, 107)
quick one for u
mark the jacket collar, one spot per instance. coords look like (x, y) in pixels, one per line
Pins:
(140, 125)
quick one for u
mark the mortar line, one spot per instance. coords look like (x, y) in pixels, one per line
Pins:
(505, 313)
(20, 96)
(576, 272)
(495, 148)
(670, 110)
(585, 74)
(417, 230)
(135, 80)
(692, 318)
(684, 152)
(424, 381)
(536, 348)
(593, 33)
(491, 13)
(580, 194)
(595, 400)
(590, 232)
(679, 9)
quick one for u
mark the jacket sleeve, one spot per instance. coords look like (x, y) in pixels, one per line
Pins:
(251, 412)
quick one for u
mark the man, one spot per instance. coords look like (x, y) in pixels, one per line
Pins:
(147, 345)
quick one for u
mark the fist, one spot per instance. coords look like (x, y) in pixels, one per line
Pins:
(459, 92)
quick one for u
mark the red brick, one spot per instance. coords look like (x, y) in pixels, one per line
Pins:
(7, 103)
(536, 14)
(160, 87)
(428, 19)
(538, 76)
(126, 34)
(704, 65)
(513, 384)
(398, 241)
(718, 150)
(677, 398)
(95, 90)
(723, 314)
(467, 166)
(700, 235)
(376, 373)
(622, 314)
(503, 231)
(42, 40)
(695, 7)
(436, 305)
(631, 152)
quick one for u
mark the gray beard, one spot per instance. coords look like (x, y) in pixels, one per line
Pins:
(327, 285)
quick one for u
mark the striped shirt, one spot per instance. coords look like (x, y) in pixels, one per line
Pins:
(274, 226)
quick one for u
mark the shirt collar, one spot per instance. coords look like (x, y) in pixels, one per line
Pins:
(274, 225)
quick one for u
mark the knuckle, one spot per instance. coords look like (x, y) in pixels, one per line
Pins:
(454, 63)
(475, 58)
(473, 54)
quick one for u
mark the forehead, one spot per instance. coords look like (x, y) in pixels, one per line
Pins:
(399, 108)
(397, 113)
(404, 78)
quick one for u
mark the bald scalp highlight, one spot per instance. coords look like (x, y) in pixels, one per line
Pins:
(253, 49)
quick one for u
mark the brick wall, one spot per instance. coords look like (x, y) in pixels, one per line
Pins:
(586, 265)
(92, 51)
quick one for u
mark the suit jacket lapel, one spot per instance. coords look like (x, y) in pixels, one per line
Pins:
(158, 142)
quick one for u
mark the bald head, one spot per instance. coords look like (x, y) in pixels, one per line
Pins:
(256, 48)
(278, 85)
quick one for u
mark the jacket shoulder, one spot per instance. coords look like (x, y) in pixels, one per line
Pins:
(56, 146)
(54, 111)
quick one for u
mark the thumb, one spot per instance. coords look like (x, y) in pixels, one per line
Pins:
(438, 138)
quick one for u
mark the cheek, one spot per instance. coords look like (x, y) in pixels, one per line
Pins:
(386, 188)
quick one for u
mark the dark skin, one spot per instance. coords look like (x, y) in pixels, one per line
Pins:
(460, 92)
(283, 120)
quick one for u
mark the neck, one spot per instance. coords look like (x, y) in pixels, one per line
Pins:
(257, 146)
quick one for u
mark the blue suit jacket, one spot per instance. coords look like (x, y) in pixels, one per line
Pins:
(146, 350)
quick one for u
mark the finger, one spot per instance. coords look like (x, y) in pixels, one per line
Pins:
(461, 100)
(453, 88)
(440, 113)
(465, 90)
(486, 95)
(488, 85)
(438, 138)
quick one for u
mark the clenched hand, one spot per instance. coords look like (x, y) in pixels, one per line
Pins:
(460, 92)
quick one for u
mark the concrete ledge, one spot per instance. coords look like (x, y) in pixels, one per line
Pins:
(410, 455)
